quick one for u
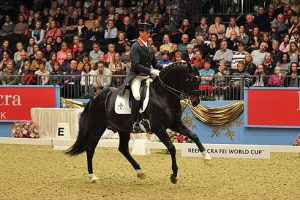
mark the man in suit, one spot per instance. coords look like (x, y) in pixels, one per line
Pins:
(20, 64)
(143, 64)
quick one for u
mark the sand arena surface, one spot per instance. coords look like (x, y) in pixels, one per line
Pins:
(39, 172)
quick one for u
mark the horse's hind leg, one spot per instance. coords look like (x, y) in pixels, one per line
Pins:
(90, 150)
(182, 129)
(123, 148)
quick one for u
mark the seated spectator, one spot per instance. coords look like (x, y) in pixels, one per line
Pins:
(293, 77)
(87, 78)
(125, 56)
(186, 28)
(249, 66)
(84, 61)
(5, 47)
(174, 50)
(29, 76)
(110, 56)
(293, 52)
(29, 48)
(284, 64)
(260, 79)
(207, 75)
(165, 61)
(65, 66)
(50, 63)
(265, 37)
(189, 54)
(276, 53)
(53, 31)
(243, 37)
(221, 82)
(285, 45)
(255, 39)
(5, 60)
(182, 47)
(21, 28)
(202, 29)
(71, 88)
(71, 24)
(199, 44)
(116, 60)
(156, 52)
(262, 20)
(268, 64)
(20, 64)
(217, 28)
(249, 25)
(295, 25)
(198, 60)
(232, 27)
(42, 74)
(9, 74)
(282, 25)
(178, 58)
(238, 56)
(62, 54)
(167, 45)
(277, 79)
(57, 43)
(75, 44)
(111, 31)
(89, 23)
(232, 41)
(80, 29)
(78, 55)
(39, 57)
(8, 27)
(259, 54)
(17, 55)
(102, 78)
(128, 29)
(38, 33)
(274, 33)
(119, 46)
(55, 76)
(213, 46)
(224, 54)
(102, 59)
(95, 53)
(96, 33)
(118, 75)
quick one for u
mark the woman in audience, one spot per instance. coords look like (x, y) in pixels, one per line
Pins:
(285, 45)
(5, 47)
(213, 46)
(277, 79)
(111, 31)
(167, 45)
(268, 64)
(260, 79)
(110, 55)
(293, 52)
(284, 64)
(55, 77)
(243, 37)
(232, 27)
(116, 60)
(38, 33)
(293, 77)
(125, 56)
(249, 66)
(120, 44)
(54, 32)
(87, 78)
(217, 28)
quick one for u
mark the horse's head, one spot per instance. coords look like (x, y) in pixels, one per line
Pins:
(182, 79)
(192, 85)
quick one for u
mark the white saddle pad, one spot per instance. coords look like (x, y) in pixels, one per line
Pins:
(122, 102)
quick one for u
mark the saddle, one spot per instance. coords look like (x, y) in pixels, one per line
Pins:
(123, 103)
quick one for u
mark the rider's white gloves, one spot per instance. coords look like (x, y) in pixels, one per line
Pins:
(154, 72)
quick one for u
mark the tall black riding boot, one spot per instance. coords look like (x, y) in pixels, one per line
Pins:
(135, 106)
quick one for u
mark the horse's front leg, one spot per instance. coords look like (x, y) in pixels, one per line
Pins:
(164, 138)
(182, 129)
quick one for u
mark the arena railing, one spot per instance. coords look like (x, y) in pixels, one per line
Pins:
(87, 86)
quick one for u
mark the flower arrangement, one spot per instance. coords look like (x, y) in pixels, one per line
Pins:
(25, 129)
(177, 138)
(297, 142)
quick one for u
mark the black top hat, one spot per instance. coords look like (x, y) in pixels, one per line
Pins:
(144, 27)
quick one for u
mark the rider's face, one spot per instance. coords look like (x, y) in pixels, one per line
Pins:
(145, 35)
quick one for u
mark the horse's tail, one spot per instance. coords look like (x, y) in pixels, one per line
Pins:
(82, 141)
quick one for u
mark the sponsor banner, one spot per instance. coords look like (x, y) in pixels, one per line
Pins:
(270, 107)
(16, 102)
(229, 151)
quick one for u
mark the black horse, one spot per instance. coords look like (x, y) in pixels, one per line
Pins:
(163, 111)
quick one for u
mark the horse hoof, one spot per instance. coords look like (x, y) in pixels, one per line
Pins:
(93, 178)
(141, 175)
(173, 179)
(208, 162)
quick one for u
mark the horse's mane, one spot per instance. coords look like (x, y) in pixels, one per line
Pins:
(172, 66)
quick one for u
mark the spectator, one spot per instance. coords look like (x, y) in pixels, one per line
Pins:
(268, 64)
(213, 46)
(78, 55)
(178, 58)
(95, 53)
(198, 60)
(167, 45)
(174, 50)
(8, 27)
(102, 59)
(42, 74)
(17, 55)
(111, 31)
(21, 28)
(186, 28)
(285, 45)
(217, 28)
(224, 54)
(50, 64)
(5, 47)
(233, 42)
(110, 56)
(249, 66)
(282, 26)
(221, 82)
(182, 47)
(243, 37)
(260, 79)
(87, 77)
(265, 37)
(293, 52)
(189, 54)
(31, 43)
(9, 74)
(102, 79)
(71, 88)
(47, 51)
(199, 44)
(81, 28)
(4, 62)
(165, 61)
(232, 27)
(39, 58)
(125, 56)
(207, 74)
(116, 60)
(118, 75)
(20, 64)
(62, 54)
(259, 54)
(53, 31)
(249, 25)
(156, 52)
(238, 56)
(277, 79)
(276, 53)
(120, 43)
(65, 66)
(254, 39)
(55, 76)
(284, 64)
(292, 78)
(57, 44)
(202, 29)
(75, 44)
(262, 20)
(84, 61)
(128, 29)
(274, 33)
(295, 25)
(33, 56)
(29, 76)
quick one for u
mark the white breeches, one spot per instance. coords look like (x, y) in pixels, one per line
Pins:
(135, 86)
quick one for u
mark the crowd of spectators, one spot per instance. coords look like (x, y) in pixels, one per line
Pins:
(84, 45)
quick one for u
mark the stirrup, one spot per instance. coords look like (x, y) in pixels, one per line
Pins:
(145, 125)
(136, 127)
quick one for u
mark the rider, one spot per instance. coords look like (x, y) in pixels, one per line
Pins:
(143, 64)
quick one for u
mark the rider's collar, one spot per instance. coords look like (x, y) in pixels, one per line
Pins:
(142, 42)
